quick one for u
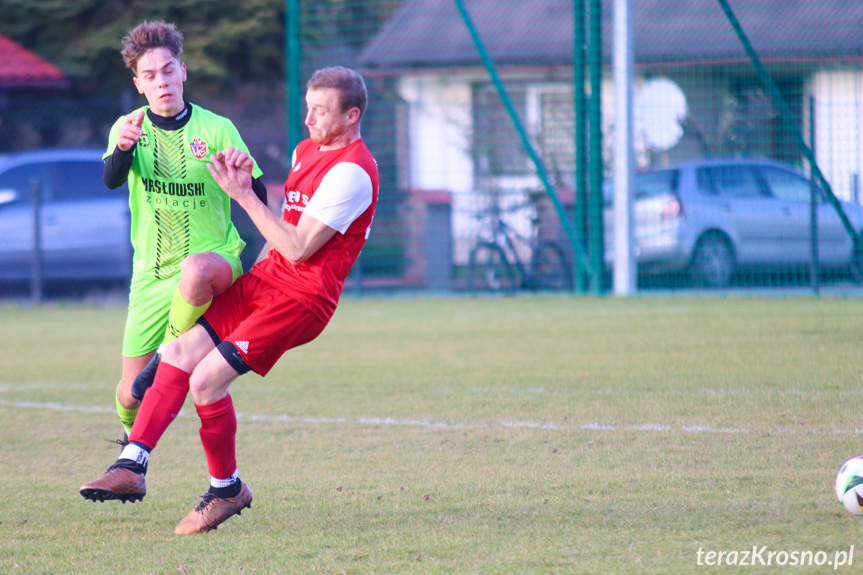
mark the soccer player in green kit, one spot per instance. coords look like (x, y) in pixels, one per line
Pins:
(186, 248)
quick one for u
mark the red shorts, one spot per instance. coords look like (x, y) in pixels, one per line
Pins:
(260, 322)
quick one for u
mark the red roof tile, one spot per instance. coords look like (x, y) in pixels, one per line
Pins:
(21, 68)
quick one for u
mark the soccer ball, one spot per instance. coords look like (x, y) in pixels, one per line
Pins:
(849, 485)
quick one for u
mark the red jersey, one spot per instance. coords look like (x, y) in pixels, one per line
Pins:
(346, 183)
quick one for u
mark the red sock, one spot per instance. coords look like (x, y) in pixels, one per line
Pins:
(161, 404)
(219, 436)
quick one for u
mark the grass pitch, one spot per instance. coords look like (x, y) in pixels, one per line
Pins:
(525, 435)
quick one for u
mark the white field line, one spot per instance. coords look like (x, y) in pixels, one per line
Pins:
(7, 387)
(424, 423)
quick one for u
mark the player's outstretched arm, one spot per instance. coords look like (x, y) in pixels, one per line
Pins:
(115, 172)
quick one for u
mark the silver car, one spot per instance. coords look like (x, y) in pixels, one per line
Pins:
(714, 217)
(84, 225)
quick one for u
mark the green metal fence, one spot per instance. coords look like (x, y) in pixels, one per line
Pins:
(493, 122)
(747, 135)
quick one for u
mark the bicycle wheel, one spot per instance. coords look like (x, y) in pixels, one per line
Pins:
(489, 270)
(549, 269)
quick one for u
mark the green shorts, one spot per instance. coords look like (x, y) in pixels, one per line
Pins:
(149, 306)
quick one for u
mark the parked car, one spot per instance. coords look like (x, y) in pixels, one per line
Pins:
(714, 217)
(84, 225)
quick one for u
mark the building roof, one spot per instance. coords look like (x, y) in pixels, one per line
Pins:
(21, 68)
(431, 33)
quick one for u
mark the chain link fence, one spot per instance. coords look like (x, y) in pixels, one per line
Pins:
(727, 193)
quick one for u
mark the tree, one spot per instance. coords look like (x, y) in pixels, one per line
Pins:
(226, 43)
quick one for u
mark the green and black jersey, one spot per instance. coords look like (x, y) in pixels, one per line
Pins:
(177, 209)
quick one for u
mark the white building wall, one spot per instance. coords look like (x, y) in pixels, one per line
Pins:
(439, 146)
(838, 127)
(440, 128)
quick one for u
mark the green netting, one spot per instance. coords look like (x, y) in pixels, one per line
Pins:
(724, 145)
(723, 196)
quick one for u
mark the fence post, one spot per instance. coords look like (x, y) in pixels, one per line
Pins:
(595, 209)
(815, 264)
(582, 222)
(293, 59)
(36, 261)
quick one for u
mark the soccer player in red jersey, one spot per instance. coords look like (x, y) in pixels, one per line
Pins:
(286, 300)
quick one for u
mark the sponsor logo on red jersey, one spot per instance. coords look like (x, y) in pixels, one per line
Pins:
(296, 201)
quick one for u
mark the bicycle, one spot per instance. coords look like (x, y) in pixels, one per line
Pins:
(494, 264)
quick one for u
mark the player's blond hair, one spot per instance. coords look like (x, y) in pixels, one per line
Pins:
(350, 85)
(148, 36)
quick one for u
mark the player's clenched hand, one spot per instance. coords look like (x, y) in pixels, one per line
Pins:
(228, 169)
(131, 131)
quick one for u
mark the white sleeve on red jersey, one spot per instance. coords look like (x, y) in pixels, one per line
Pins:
(344, 194)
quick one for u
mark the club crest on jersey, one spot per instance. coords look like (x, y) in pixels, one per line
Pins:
(199, 148)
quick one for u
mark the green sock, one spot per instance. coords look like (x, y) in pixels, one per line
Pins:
(127, 416)
(182, 316)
